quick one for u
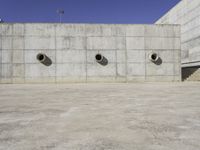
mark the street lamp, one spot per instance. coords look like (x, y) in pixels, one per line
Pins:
(1, 20)
(60, 12)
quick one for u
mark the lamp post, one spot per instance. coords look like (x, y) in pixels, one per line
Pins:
(60, 12)
(1, 20)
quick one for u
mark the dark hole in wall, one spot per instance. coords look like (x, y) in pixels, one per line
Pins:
(40, 57)
(154, 56)
(101, 59)
(98, 57)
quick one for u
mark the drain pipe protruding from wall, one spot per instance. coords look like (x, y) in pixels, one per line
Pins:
(101, 59)
(44, 59)
(153, 57)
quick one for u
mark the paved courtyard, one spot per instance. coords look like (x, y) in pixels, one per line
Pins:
(140, 116)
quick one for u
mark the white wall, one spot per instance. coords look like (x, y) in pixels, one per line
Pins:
(72, 49)
(187, 14)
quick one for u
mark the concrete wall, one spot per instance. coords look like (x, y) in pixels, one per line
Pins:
(187, 14)
(72, 49)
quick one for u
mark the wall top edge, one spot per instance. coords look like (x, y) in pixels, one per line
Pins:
(89, 24)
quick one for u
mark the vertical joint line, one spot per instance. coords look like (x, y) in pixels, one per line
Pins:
(174, 60)
(1, 53)
(12, 52)
(55, 40)
(116, 64)
(86, 51)
(126, 56)
(145, 52)
(24, 53)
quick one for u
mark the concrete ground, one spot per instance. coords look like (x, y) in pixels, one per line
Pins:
(141, 116)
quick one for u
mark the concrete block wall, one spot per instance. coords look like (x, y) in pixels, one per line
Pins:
(72, 49)
(187, 14)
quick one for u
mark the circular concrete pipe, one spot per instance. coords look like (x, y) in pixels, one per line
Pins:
(41, 57)
(153, 57)
(99, 58)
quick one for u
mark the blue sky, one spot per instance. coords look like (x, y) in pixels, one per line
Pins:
(85, 11)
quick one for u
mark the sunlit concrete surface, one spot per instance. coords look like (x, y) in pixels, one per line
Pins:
(140, 116)
(187, 14)
(70, 51)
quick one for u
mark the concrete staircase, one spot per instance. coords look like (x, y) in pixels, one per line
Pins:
(191, 74)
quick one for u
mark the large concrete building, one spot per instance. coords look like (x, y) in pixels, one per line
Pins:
(187, 14)
(61, 53)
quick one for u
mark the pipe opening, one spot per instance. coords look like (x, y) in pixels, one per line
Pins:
(153, 57)
(101, 59)
(41, 57)
(98, 57)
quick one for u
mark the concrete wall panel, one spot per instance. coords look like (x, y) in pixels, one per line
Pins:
(6, 29)
(137, 56)
(77, 43)
(109, 43)
(135, 30)
(63, 43)
(70, 30)
(162, 31)
(18, 70)
(118, 30)
(121, 56)
(18, 29)
(71, 49)
(136, 69)
(121, 70)
(93, 30)
(6, 56)
(135, 43)
(39, 70)
(18, 42)
(70, 56)
(97, 70)
(39, 30)
(38, 43)
(18, 56)
(7, 42)
(6, 71)
(162, 43)
(71, 70)
(156, 70)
